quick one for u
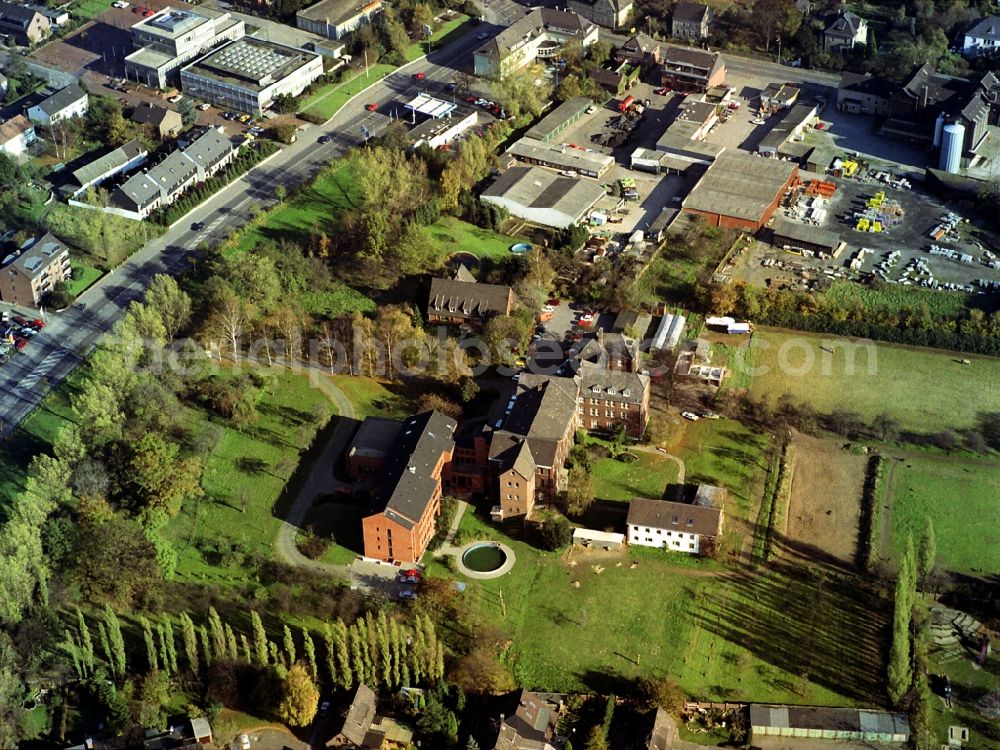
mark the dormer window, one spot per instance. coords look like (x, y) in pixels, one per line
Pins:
(627, 392)
(676, 520)
(690, 522)
(612, 390)
(596, 389)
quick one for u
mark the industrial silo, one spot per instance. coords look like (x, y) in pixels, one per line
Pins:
(938, 126)
(953, 139)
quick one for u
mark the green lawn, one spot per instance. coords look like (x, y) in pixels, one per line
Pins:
(782, 636)
(924, 389)
(372, 398)
(969, 683)
(962, 498)
(244, 477)
(87, 9)
(320, 206)
(339, 522)
(646, 477)
(86, 275)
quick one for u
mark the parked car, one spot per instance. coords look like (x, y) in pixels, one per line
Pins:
(20, 343)
(407, 579)
(407, 595)
(203, 106)
(371, 107)
(244, 742)
(20, 321)
(482, 36)
(470, 100)
(690, 415)
(245, 118)
(419, 76)
(413, 572)
(451, 86)
(555, 302)
(324, 708)
(325, 138)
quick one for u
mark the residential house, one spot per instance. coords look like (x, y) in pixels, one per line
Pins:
(844, 31)
(65, 104)
(32, 271)
(641, 50)
(57, 16)
(402, 518)
(118, 160)
(160, 121)
(537, 36)
(334, 19)
(691, 70)
(778, 96)
(690, 21)
(533, 724)
(864, 94)
(16, 135)
(462, 299)
(356, 719)
(983, 38)
(679, 527)
(25, 25)
(612, 14)
(162, 184)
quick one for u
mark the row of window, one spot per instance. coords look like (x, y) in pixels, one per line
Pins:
(597, 402)
(609, 414)
(676, 545)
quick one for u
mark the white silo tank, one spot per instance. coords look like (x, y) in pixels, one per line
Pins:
(938, 126)
(952, 141)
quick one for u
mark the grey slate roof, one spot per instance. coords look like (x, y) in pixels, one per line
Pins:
(533, 23)
(536, 188)
(375, 437)
(359, 716)
(408, 485)
(37, 256)
(690, 12)
(666, 514)
(466, 299)
(116, 158)
(150, 114)
(62, 99)
(533, 724)
(838, 719)
(846, 24)
(615, 385)
(17, 15)
(659, 738)
(641, 43)
(988, 29)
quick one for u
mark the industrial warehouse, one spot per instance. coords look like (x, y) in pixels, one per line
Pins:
(740, 191)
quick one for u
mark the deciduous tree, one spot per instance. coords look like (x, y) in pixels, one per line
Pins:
(300, 698)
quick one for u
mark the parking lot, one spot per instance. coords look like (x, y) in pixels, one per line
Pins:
(909, 238)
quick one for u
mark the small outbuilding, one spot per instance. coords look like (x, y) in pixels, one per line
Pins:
(829, 723)
(201, 730)
(601, 539)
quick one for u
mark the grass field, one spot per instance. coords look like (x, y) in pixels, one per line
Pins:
(965, 528)
(86, 275)
(321, 205)
(244, 477)
(924, 389)
(87, 9)
(329, 99)
(646, 477)
(783, 636)
(897, 298)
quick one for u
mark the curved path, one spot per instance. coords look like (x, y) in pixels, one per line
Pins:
(662, 454)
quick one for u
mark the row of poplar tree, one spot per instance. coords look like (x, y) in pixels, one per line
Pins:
(375, 649)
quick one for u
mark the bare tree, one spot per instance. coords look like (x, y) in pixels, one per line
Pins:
(230, 321)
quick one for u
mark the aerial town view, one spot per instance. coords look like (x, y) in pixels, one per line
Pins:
(489, 375)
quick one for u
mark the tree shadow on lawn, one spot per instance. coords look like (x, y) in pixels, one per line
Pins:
(809, 621)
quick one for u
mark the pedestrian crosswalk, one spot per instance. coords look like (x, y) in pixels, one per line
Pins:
(44, 368)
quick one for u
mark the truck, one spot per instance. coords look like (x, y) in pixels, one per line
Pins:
(626, 103)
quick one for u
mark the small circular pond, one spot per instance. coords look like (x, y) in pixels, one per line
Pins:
(521, 248)
(484, 558)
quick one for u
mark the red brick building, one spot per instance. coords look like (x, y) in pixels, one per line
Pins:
(462, 299)
(691, 70)
(403, 516)
(740, 191)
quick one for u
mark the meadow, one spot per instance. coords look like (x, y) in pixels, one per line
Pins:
(792, 634)
(923, 389)
(647, 476)
(962, 499)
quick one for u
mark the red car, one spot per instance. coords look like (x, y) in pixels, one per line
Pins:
(413, 572)
(37, 323)
(471, 99)
(20, 321)
(20, 343)
(419, 76)
(371, 107)
(554, 302)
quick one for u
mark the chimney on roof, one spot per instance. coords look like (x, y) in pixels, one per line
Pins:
(925, 92)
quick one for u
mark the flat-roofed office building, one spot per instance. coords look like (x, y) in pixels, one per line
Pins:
(249, 74)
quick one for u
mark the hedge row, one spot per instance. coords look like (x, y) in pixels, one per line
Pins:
(871, 513)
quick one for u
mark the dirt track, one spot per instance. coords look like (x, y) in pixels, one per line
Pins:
(825, 506)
